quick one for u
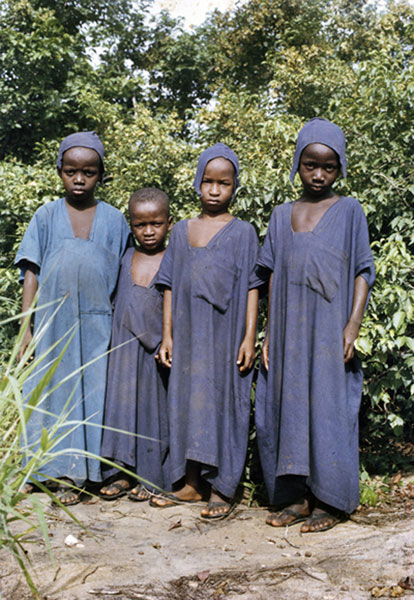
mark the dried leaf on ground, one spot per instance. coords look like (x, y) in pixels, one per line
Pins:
(203, 576)
(175, 525)
(407, 583)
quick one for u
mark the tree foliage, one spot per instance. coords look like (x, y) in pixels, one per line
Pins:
(158, 94)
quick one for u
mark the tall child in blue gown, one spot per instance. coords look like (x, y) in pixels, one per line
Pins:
(136, 399)
(71, 254)
(209, 326)
(319, 261)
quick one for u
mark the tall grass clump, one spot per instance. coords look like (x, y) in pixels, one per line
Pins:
(15, 412)
(22, 461)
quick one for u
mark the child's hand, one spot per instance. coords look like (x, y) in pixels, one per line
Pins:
(26, 339)
(246, 356)
(164, 356)
(264, 355)
(350, 334)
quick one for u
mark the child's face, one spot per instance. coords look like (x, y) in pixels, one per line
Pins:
(81, 171)
(150, 224)
(217, 186)
(318, 170)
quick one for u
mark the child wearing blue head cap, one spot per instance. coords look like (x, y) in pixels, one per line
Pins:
(70, 255)
(209, 326)
(318, 259)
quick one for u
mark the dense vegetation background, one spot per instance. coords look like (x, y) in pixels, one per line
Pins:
(157, 95)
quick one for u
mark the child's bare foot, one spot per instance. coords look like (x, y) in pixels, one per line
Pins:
(218, 507)
(115, 489)
(139, 493)
(295, 513)
(28, 488)
(188, 493)
(321, 520)
(68, 493)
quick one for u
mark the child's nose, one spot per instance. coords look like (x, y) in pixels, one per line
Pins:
(215, 188)
(78, 177)
(318, 174)
(148, 230)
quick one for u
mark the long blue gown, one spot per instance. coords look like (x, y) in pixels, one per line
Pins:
(82, 273)
(208, 398)
(136, 397)
(307, 404)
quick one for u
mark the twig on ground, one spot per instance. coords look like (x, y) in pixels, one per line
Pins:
(311, 575)
(287, 539)
(85, 577)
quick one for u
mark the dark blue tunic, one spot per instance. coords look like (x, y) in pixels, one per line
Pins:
(307, 404)
(82, 275)
(208, 399)
(136, 399)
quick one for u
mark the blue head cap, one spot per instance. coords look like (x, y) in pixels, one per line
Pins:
(85, 139)
(217, 151)
(320, 131)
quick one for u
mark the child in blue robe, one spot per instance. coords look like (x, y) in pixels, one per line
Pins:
(209, 327)
(319, 261)
(136, 399)
(70, 254)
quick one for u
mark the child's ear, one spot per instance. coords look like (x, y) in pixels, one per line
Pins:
(59, 172)
(170, 223)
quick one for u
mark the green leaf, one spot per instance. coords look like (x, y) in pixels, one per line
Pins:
(398, 319)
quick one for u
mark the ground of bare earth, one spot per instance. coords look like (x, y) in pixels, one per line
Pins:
(132, 551)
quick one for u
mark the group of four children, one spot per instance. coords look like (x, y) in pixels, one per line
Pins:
(178, 382)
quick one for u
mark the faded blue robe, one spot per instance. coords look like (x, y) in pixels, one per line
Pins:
(307, 403)
(83, 273)
(136, 397)
(208, 398)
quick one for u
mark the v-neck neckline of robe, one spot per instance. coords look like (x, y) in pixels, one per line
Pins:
(93, 225)
(318, 224)
(213, 239)
(138, 285)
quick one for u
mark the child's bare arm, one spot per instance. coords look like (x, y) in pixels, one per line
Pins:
(246, 355)
(351, 329)
(164, 355)
(30, 286)
(265, 348)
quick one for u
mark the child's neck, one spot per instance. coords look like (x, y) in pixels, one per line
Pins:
(154, 252)
(219, 216)
(329, 196)
(90, 203)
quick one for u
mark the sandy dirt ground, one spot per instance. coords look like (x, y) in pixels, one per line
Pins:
(130, 550)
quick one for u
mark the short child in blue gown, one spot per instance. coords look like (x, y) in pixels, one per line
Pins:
(318, 258)
(136, 399)
(71, 255)
(209, 327)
